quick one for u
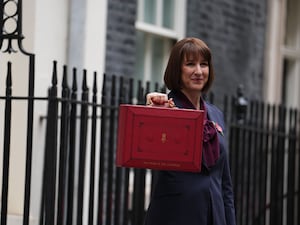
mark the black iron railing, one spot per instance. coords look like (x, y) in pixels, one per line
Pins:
(10, 19)
(81, 128)
(264, 153)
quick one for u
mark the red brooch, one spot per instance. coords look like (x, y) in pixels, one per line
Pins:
(218, 128)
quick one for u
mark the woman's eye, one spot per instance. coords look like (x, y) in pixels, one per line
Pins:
(190, 64)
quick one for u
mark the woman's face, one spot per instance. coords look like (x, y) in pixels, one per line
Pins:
(194, 74)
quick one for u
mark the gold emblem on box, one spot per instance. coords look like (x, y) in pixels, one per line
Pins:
(163, 138)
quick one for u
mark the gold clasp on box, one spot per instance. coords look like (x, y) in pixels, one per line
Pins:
(163, 137)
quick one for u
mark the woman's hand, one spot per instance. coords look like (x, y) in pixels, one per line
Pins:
(159, 99)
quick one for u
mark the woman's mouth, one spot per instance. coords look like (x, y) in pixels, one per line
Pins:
(197, 79)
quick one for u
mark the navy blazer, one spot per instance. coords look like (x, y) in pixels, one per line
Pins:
(187, 198)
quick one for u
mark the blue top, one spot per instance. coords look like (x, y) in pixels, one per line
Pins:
(187, 198)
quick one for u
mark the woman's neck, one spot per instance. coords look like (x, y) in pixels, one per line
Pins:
(193, 97)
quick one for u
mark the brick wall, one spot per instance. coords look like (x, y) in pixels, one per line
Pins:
(235, 32)
(120, 42)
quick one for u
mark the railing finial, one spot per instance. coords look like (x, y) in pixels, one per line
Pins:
(241, 104)
(11, 24)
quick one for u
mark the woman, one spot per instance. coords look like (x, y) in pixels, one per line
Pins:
(185, 198)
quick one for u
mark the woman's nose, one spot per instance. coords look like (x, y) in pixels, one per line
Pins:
(198, 69)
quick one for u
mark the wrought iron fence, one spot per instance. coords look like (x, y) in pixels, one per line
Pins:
(119, 196)
(264, 153)
(80, 127)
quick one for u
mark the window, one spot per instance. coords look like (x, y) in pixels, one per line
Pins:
(282, 74)
(157, 30)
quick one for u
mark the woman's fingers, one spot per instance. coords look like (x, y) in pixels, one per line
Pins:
(155, 98)
(159, 99)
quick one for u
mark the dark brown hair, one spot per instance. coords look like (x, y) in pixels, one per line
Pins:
(187, 47)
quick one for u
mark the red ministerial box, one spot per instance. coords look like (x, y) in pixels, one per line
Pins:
(159, 138)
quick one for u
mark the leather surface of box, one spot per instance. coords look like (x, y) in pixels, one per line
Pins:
(159, 138)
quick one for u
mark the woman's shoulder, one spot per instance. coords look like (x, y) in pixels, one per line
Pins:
(213, 108)
(215, 114)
